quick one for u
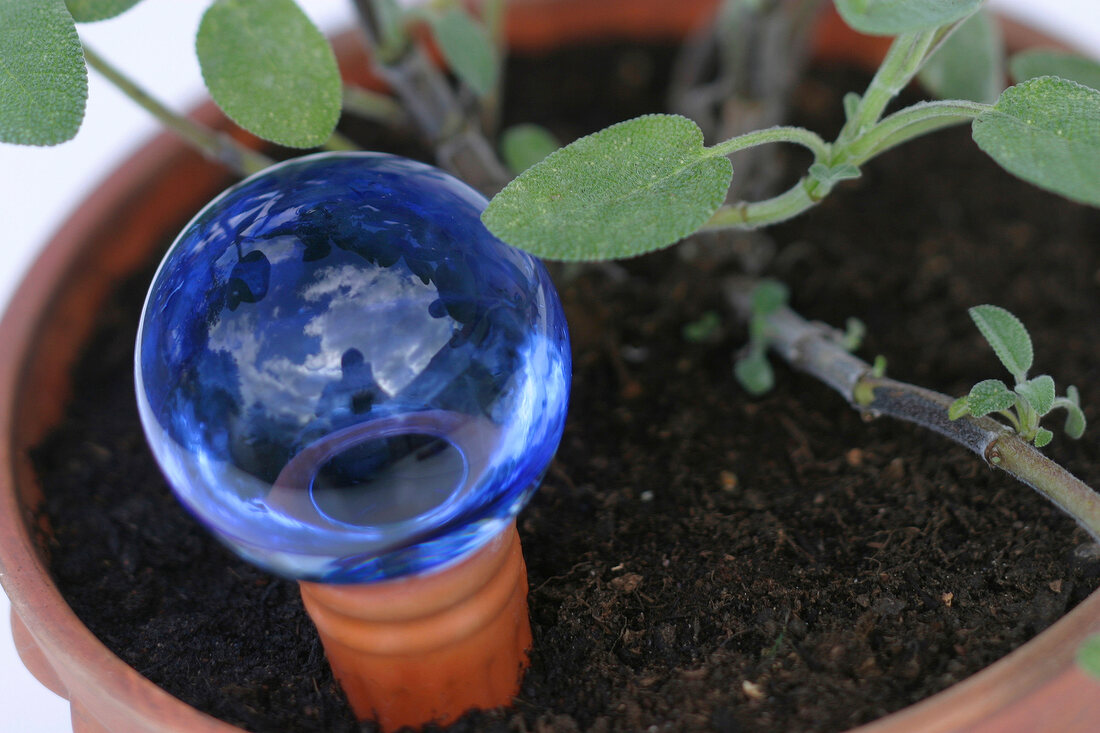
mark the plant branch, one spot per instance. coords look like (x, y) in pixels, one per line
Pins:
(903, 60)
(373, 106)
(755, 214)
(433, 106)
(814, 348)
(911, 122)
(215, 145)
(778, 134)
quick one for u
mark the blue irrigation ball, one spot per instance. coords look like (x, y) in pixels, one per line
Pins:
(345, 376)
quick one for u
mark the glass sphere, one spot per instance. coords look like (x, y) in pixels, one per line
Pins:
(344, 375)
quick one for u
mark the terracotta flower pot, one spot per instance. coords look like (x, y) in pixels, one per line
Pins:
(1038, 687)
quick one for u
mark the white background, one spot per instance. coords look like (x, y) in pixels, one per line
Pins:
(152, 43)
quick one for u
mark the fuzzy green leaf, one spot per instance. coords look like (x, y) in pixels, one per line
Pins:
(1088, 656)
(522, 146)
(1042, 437)
(467, 47)
(631, 188)
(851, 104)
(1049, 62)
(1075, 422)
(87, 11)
(1075, 418)
(43, 79)
(1047, 132)
(831, 175)
(1039, 392)
(754, 373)
(1008, 337)
(894, 17)
(769, 296)
(969, 64)
(270, 69)
(959, 408)
(989, 395)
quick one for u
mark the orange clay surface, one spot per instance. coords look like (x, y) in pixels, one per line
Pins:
(426, 649)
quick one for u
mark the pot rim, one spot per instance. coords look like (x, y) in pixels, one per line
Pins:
(59, 633)
(34, 597)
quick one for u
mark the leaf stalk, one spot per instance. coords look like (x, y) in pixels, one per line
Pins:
(215, 145)
(779, 134)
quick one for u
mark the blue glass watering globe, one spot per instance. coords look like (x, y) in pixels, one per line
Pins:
(345, 376)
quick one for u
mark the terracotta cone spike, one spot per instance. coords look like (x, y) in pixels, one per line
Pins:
(426, 649)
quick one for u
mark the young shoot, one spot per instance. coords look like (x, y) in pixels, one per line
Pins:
(752, 368)
(1030, 399)
(645, 183)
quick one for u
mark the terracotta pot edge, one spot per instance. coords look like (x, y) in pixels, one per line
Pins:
(23, 573)
(17, 329)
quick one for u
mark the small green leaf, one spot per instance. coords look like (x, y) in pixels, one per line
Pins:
(854, 331)
(959, 408)
(1075, 422)
(1047, 132)
(391, 22)
(87, 11)
(631, 188)
(769, 296)
(43, 79)
(894, 17)
(851, 104)
(1088, 656)
(270, 69)
(1075, 418)
(1039, 392)
(1042, 437)
(467, 47)
(989, 395)
(969, 65)
(832, 175)
(522, 146)
(1050, 62)
(754, 373)
(702, 329)
(1008, 337)
(878, 368)
(760, 331)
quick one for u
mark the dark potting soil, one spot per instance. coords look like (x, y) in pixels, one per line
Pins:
(698, 559)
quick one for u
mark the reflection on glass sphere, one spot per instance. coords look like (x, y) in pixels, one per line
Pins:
(344, 375)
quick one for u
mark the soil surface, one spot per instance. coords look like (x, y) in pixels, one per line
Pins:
(698, 559)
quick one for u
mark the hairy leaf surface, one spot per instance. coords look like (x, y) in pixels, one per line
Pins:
(894, 17)
(989, 395)
(43, 79)
(1039, 392)
(87, 11)
(631, 188)
(1008, 337)
(1047, 132)
(270, 69)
